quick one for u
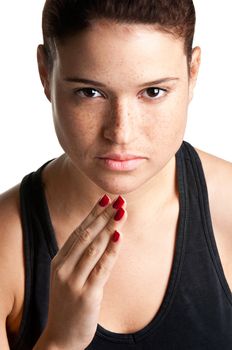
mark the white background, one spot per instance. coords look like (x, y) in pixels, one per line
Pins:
(27, 136)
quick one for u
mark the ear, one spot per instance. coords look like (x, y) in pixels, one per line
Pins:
(44, 71)
(194, 69)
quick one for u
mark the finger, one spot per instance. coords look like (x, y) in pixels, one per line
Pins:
(83, 236)
(95, 250)
(104, 266)
(102, 203)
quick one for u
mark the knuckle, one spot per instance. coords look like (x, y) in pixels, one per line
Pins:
(89, 294)
(106, 215)
(69, 282)
(60, 275)
(92, 250)
(76, 232)
(100, 269)
(110, 251)
(84, 236)
(109, 229)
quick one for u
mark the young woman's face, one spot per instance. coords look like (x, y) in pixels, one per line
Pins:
(135, 105)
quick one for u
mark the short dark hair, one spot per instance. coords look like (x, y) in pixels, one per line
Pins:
(64, 18)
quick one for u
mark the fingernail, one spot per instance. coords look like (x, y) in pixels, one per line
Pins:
(115, 236)
(119, 203)
(104, 201)
(119, 214)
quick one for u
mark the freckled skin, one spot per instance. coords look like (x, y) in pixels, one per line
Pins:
(123, 118)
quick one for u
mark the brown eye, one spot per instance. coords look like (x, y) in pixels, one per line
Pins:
(154, 92)
(87, 92)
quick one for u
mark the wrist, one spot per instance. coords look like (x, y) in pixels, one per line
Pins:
(45, 342)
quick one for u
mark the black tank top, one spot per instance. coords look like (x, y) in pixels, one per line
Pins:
(196, 311)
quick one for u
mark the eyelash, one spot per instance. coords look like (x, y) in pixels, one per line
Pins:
(87, 89)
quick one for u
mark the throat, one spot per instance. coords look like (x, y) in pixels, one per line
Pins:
(145, 268)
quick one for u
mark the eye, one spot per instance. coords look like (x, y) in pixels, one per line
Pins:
(87, 92)
(154, 92)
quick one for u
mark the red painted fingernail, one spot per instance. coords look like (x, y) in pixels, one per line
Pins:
(119, 203)
(115, 236)
(104, 201)
(119, 214)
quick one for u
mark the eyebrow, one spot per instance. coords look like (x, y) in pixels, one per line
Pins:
(97, 83)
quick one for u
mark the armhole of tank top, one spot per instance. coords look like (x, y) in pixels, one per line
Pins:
(50, 234)
(28, 252)
(206, 218)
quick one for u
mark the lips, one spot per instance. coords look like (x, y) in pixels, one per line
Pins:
(121, 165)
(120, 157)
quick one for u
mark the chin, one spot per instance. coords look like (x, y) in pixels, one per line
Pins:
(119, 184)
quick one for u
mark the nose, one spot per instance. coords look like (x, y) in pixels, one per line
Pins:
(120, 123)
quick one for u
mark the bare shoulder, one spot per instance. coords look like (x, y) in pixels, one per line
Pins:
(11, 255)
(218, 175)
(217, 168)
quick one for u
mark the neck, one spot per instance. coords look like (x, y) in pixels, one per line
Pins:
(77, 196)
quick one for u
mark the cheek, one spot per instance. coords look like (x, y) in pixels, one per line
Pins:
(174, 114)
(76, 129)
(75, 126)
(168, 123)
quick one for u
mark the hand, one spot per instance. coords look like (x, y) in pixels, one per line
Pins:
(79, 272)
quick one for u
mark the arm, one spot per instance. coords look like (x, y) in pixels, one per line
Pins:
(9, 248)
(4, 345)
(12, 272)
(79, 272)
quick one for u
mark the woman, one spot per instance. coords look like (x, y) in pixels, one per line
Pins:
(114, 239)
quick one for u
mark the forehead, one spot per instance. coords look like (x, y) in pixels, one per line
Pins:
(125, 49)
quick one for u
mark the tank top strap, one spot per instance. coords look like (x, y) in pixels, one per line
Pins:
(38, 247)
(200, 210)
